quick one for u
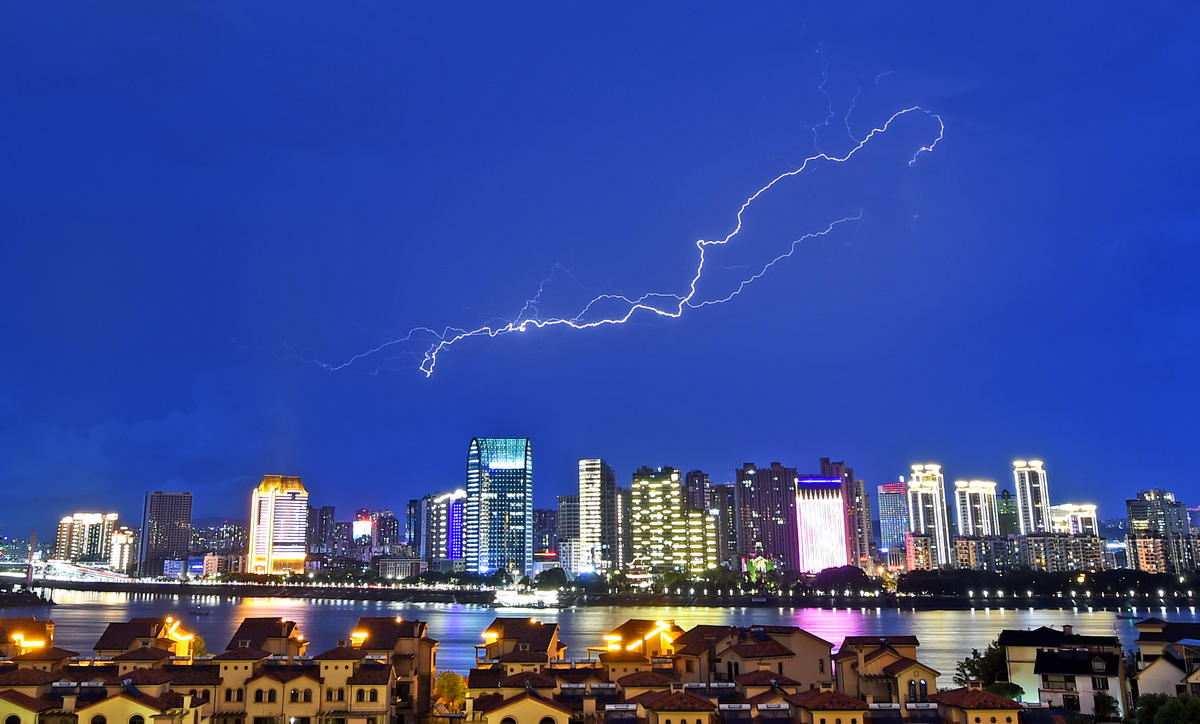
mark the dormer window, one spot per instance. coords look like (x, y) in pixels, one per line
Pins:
(522, 647)
(1098, 665)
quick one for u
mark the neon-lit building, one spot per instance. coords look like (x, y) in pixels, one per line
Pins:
(278, 526)
(444, 529)
(893, 515)
(927, 511)
(821, 524)
(85, 537)
(1033, 498)
(498, 526)
(975, 507)
(1074, 519)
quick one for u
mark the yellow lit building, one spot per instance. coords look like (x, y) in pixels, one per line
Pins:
(666, 534)
(278, 526)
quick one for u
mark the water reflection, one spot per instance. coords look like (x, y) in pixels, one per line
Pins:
(945, 636)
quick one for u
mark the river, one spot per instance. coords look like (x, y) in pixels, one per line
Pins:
(946, 636)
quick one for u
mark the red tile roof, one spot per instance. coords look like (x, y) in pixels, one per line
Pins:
(762, 677)
(143, 653)
(676, 701)
(52, 653)
(526, 657)
(26, 677)
(485, 678)
(646, 678)
(622, 657)
(529, 678)
(372, 675)
(258, 630)
(341, 653)
(242, 654)
(147, 676)
(817, 700)
(695, 641)
(967, 698)
(122, 635)
(761, 649)
(903, 664)
(28, 703)
(537, 634)
(383, 632)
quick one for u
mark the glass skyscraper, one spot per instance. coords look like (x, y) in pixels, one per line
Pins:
(498, 527)
(893, 515)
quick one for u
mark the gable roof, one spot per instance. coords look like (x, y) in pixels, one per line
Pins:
(646, 678)
(536, 634)
(622, 657)
(26, 677)
(143, 653)
(52, 653)
(524, 679)
(675, 701)
(1075, 661)
(762, 677)
(257, 631)
(484, 678)
(905, 640)
(1052, 637)
(121, 635)
(372, 675)
(243, 654)
(903, 664)
(761, 649)
(967, 698)
(818, 700)
(578, 675)
(26, 702)
(695, 641)
(1168, 631)
(524, 657)
(383, 632)
(526, 695)
(341, 653)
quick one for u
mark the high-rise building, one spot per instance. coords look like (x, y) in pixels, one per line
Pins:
(766, 514)
(387, 529)
(326, 518)
(278, 526)
(624, 528)
(499, 513)
(545, 530)
(697, 490)
(85, 537)
(1033, 498)
(893, 514)
(1160, 536)
(1062, 553)
(666, 534)
(123, 550)
(724, 501)
(1194, 517)
(1006, 512)
(858, 513)
(975, 508)
(821, 524)
(568, 532)
(986, 553)
(1074, 519)
(927, 511)
(414, 517)
(443, 528)
(597, 517)
(166, 530)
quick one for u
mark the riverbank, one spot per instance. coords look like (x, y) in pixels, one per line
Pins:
(13, 599)
(632, 599)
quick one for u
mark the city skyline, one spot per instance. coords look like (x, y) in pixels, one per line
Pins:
(248, 203)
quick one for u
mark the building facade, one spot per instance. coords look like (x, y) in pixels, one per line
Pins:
(893, 514)
(766, 514)
(1074, 519)
(278, 526)
(666, 534)
(857, 509)
(499, 512)
(821, 523)
(975, 508)
(597, 515)
(927, 510)
(85, 537)
(1033, 498)
(166, 530)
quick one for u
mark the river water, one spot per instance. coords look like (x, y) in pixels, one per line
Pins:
(945, 636)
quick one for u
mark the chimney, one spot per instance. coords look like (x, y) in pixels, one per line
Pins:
(975, 686)
(826, 686)
(68, 703)
(1068, 629)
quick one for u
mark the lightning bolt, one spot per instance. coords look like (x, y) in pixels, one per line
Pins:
(663, 304)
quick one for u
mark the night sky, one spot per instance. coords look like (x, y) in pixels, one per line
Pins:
(203, 200)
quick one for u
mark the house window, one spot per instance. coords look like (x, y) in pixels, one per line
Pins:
(1100, 683)
(258, 696)
(271, 696)
(240, 695)
(329, 695)
(912, 690)
(229, 695)
(307, 696)
(341, 695)
(13, 719)
(508, 720)
(137, 719)
(821, 665)
(99, 719)
(547, 720)
(1098, 665)
(360, 695)
(924, 693)
(1070, 702)
(373, 696)
(294, 695)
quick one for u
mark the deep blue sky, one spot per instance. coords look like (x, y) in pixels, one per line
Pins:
(200, 197)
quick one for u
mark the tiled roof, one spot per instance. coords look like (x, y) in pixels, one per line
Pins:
(974, 699)
(341, 653)
(372, 675)
(761, 677)
(528, 678)
(242, 654)
(147, 676)
(646, 678)
(28, 626)
(285, 674)
(761, 649)
(257, 630)
(28, 703)
(537, 634)
(676, 701)
(384, 631)
(52, 653)
(194, 675)
(904, 663)
(122, 635)
(577, 675)
(1171, 632)
(487, 702)
(485, 678)
(817, 700)
(695, 641)
(143, 653)
(1052, 637)
(622, 657)
(1075, 661)
(26, 677)
(528, 657)
(519, 697)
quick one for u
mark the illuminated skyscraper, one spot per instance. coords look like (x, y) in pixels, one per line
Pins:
(499, 520)
(166, 530)
(278, 526)
(821, 524)
(443, 526)
(597, 517)
(1074, 519)
(1033, 500)
(927, 511)
(697, 490)
(1160, 534)
(666, 534)
(893, 514)
(975, 506)
(724, 501)
(858, 513)
(766, 514)
(124, 547)
(85, 537)
(1006, 509)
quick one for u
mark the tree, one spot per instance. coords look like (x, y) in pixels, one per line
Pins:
(198, 647)
(990, 668)
(1163, 709)
(451, 690)
(551, 579)
(1106, 708)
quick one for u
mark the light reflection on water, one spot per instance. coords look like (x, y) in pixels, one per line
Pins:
(945, 636)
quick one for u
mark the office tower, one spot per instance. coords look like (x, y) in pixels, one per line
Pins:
(766, 514)
(697, 490)
(597, 517)
(1194, 517)
(166, 530)
(1006, 512)
(85, 537)
(975, 508)
(624, 528)
(387, 528)
(123, 550)
(499, 513)
(893, 515)
(225, 538)
(545, 530)
(821, 523)
(1160, 536)
(569, 556)
(443, 528)
(666, 534)
(724, 501)
(1033, 500)
(858, 512)
(278, 522)
(927, 511)
(414, 515)
(1074, 519)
